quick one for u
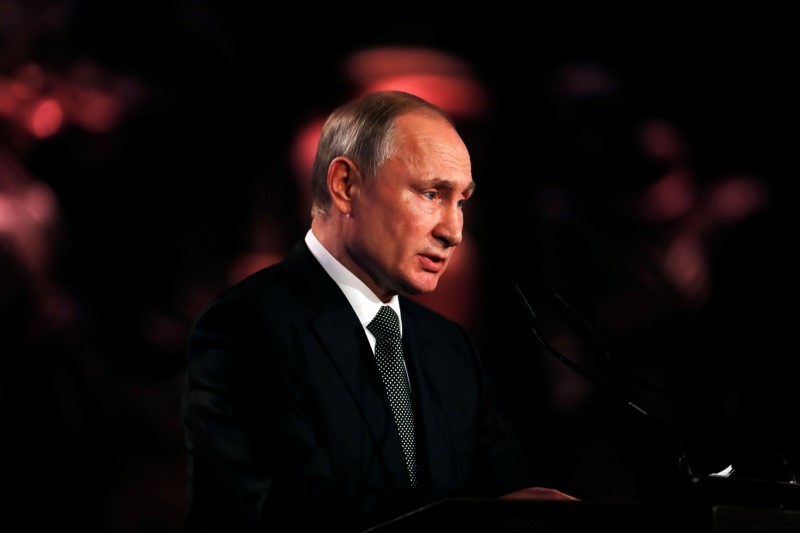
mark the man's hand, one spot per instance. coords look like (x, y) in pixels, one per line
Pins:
(538, 493)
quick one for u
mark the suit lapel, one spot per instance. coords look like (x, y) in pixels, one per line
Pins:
(432, 436)
(341, 336)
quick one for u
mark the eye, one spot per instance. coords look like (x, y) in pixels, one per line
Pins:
(430, 195)
(460, 203)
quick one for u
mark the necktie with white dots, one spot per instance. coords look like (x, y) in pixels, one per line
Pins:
(389, 355)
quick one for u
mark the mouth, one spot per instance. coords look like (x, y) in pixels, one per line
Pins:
(433, 263)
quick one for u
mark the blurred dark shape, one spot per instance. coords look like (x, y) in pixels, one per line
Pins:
(53, 443)
(91, 357)
(443, 78)
(304, 147)
(585, 81)
(38, 103)
(676, 259)
(27, 26)
(30, 216)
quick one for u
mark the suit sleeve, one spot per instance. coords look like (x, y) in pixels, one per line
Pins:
(501, 465)
(502, 462)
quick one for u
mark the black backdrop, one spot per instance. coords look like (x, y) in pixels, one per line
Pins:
(155, 210)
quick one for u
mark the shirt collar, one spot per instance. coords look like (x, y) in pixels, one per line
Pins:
(363, 301)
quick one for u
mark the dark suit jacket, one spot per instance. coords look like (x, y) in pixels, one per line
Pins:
(287, 421)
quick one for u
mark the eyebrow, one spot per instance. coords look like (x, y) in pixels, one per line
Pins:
(444, 183)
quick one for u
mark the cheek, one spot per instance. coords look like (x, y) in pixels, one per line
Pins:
(413, 230)
(416, 214)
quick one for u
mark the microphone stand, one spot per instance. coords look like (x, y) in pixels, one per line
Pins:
(683, 461)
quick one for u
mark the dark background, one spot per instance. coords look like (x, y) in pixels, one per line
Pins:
(156, 209)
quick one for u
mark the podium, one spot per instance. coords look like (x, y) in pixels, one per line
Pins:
(731, 491)
(673, 503)
(495, 516)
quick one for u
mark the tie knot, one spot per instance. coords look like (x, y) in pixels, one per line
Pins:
(385, 323)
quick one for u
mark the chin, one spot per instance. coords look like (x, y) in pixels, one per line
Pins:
(421, 286)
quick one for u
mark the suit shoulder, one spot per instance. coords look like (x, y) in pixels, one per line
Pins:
(257, 284)
(262, 290)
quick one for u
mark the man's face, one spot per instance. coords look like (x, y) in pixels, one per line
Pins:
(405, 224)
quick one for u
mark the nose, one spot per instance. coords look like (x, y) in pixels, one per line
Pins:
(450, 227)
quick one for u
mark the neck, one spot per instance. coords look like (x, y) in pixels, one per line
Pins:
(329, 236)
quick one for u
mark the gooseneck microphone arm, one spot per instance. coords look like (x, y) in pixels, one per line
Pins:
(683, 463)
(593, 338)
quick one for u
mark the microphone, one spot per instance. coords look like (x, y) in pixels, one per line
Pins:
(591, 337)
(683, 462)
(789, 470)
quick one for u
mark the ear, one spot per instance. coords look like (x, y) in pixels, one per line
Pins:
(341, 179)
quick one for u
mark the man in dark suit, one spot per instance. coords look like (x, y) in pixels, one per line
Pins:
(287, 417)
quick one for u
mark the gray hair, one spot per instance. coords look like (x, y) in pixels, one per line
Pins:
(363, 131)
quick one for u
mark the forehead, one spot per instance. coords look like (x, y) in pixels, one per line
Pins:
(422, 122)
(429, 153)
(425, 138)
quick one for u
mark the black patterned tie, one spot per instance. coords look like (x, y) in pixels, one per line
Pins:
(389, 355)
